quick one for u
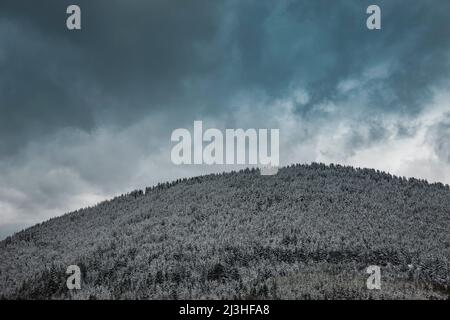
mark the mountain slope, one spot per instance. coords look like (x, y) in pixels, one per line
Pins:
(309, 232)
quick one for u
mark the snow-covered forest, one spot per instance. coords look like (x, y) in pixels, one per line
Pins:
(308, 232)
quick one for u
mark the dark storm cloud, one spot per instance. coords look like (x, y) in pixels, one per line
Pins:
(135, 57)
(130, 57)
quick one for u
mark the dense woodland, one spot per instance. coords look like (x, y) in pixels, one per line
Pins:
(308, 232)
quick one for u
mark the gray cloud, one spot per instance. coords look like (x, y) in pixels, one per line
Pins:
(439, 138)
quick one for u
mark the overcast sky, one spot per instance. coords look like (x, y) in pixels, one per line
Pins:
(87, 115)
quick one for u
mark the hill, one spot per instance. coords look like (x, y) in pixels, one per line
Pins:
(308, 232)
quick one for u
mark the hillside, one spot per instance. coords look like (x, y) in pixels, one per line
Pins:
(309, 232)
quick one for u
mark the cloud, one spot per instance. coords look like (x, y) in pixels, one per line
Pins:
(439, 138)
